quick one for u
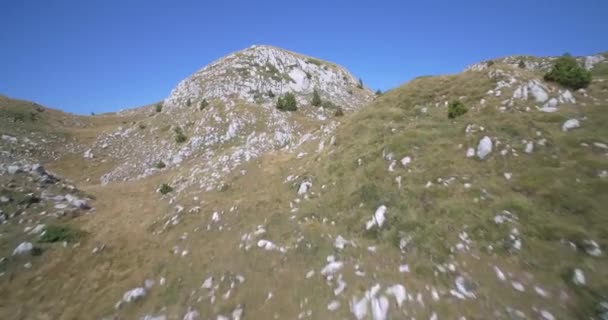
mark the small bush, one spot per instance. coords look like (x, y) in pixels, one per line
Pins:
(270, 94)
(378, 92)
(338, 112)
(569, 73)
(159, 107)
(456, 109)
(316, 98)
(180, 137)
(160, 165)
(521, 64)
(165, 188)
(360, 84)
(203, 104)
(490, 63)
(287, 102)
(56, 233)
(188, 102)
(142, 126)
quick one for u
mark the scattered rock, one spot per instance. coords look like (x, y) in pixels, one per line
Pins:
(13, 169)
(578, 277)
(570, 124)
(134, 295)
(484, 147)
(23, 248)
(378, 218)
(304, 187)
(470, 152)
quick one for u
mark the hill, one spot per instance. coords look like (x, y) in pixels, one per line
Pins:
(393, 210)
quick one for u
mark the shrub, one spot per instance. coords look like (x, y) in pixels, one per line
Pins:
(378, 92)
(160, 165)
(316, 98)
(360, 84)
(287, 102)
(338, 112)
(180, 137)
(165, 188)
(271, 94)
(521, 64)
(56, 233)
(203, 104)
(142, 126)
(456, 109)
(159, 107)
(569, 73)
(188, 102)
(489, 63)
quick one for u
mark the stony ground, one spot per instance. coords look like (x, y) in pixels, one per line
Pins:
(390, 212)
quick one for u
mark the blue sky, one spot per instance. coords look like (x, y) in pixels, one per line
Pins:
(96, 56)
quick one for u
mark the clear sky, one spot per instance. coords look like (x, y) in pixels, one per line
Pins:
(95, 56)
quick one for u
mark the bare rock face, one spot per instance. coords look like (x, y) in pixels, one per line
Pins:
(260, 72)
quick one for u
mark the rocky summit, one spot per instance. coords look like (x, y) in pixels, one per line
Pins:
(273, 185)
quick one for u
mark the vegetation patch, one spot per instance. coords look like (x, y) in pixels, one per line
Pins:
(287, 102)
(60, 233)
(165, 188)
(180, 137)
(456, 109)
(569, 73)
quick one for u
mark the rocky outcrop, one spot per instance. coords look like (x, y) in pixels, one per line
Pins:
(260, 72)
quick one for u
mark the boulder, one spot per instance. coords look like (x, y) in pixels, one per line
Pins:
(537, 91)
(570, 124)
(23, 248)
(484, 148)
(13, 169)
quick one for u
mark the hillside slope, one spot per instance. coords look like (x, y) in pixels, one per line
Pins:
(386, 212)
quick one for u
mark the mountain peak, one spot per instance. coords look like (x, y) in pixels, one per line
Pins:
(258, 73)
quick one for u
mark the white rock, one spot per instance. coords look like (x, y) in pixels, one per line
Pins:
(332, 268)
(134, 294)
(13, 169)
(405, 161)
(518, 286)
(359, 307)
(191, 315)
(23, 248)
(470, 152)
(88, 154)
(529, 147)
(38, 229)
(546, 315)
(399, 292)
(404, 268)
(304, 187)
(499, 274)
(484, 147)
(208, 283)
(508, 175)
(379, 308)
(266, 245)
(340, 242)
(333, 305)
(570, 124)
(578, 277)
(310, 274)
(378, 218)
(592, 248)
(537, 91)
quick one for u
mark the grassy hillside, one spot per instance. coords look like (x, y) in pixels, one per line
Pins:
(286, 235)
